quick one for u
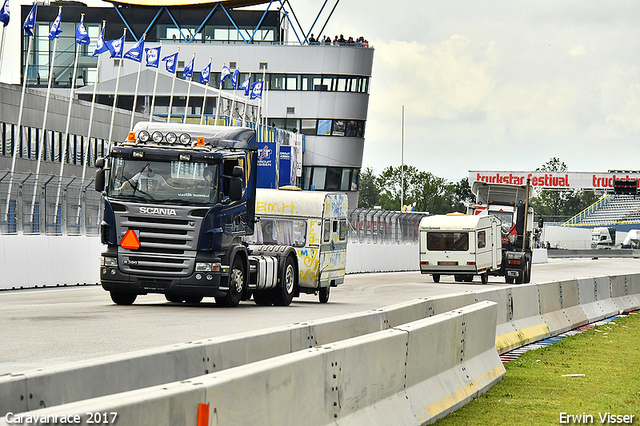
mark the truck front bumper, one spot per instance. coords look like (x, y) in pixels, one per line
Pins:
(206, 284)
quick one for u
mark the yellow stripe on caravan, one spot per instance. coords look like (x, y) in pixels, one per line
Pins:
(514, 339)
(459, 395)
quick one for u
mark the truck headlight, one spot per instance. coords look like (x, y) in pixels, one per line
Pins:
(108, 261)
(207, 267)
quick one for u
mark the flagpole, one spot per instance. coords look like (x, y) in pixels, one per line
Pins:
(402, 166)
(215, 120)
(4, 33)
(204, 98)
(244, 115)
(44, 123)
(18, 139)
(173, 85)
(86, 150)
(115, 94)
(66, 129)
(135, 97)
(186, 109)
(155, 85)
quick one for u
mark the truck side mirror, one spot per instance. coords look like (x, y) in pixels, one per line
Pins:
(100, 175)
(99, 181)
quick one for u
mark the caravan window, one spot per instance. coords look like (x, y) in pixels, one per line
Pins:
(326, 232)
(343, 230)
(289, 232)
(482, 239)
(452, 241)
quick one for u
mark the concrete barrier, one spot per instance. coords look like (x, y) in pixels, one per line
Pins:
(40, 260)
(409, 375)
(524, 313)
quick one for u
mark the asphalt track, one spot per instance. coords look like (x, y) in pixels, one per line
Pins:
(50, 326)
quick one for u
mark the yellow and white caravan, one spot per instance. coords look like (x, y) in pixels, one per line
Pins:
(315, 224)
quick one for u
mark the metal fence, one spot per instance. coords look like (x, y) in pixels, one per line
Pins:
(384, 226)
(47, 204)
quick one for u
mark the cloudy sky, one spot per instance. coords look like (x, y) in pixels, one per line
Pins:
(498, 85)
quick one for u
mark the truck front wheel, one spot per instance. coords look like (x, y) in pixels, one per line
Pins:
(123, 298)
(236, 285)
(324, 294)
(283, 293)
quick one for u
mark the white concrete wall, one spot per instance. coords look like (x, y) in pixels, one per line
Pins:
(40, 260)
(382, 257)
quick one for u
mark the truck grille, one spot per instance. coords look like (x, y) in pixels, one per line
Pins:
(167, 245)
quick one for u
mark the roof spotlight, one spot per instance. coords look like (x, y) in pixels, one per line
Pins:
(157, 137)
(185, 139)
(171, 138)
(143, 136)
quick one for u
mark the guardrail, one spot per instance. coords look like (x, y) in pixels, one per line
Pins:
(345, 370)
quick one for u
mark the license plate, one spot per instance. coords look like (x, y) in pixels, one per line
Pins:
(448, 262)
(513, 273)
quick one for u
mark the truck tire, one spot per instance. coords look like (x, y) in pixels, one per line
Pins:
(284, 291)
(436, 278)
(174, 298)
(527, 272)
(262, 298)
(193, 299)
(123, 298)
(324, 294)
(236, 285)
(484, 278)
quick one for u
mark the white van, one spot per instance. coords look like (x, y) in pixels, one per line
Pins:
(460, 245)
(315, 224)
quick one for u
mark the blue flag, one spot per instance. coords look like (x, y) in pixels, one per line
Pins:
(116, 47)
(172, 62)
(205, 74)
(153, 56)
(224, 74)
(256, 90)
(135, 53)
(101, 47)
(82, 37)
(5, 15)
(30, 22)
(188, 70)
(55, 28)
(246, 85)
(234, 79)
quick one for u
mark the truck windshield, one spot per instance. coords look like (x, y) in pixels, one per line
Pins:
(170, 181)
(451, 241)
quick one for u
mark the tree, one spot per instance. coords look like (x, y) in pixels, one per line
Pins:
(557, 204)
(369, 195)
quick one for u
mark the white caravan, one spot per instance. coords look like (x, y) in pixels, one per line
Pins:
(460, 245)
(315, 224)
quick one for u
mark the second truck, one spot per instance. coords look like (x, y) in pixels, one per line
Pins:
(468, 245)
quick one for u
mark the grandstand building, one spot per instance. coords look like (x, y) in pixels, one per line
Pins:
(318, 90)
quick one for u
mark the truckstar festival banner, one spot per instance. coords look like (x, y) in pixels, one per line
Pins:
(554, 180)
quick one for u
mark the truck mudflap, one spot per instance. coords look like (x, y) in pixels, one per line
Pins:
(517, 267)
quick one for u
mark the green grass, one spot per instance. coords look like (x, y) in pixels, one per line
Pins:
(534, 391)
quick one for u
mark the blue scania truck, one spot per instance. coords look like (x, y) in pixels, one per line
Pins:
(179, 201)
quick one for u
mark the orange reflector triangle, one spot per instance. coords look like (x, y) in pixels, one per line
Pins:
(130, 240)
